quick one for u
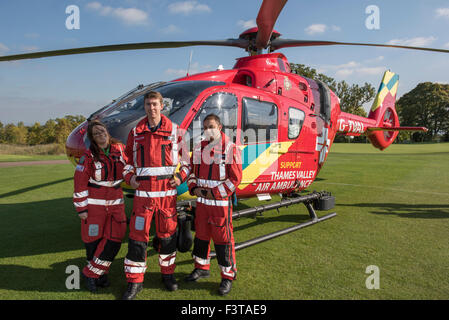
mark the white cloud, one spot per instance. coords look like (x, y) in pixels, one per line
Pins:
(413, 42)
(354, 68)
(3, 49)
(316, 29)
(442, 12)
(129, 16)
(188, 7)
(171, 29)
(446, 45)
(246, 24)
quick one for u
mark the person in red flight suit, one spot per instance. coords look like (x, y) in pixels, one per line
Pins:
(153, 151)
(98, 199)
(216, 172)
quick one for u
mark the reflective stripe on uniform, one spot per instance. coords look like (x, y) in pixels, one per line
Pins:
(103, 263)
(95, 270)
(135, 267)
(222, 191)
(80, 204)
(106, 183)
(227, 271)
(230, 185)
(174, 150)
(82, 194)
(102, 202)
(155, 194)
(203, 183)
(155, 171)
(201, 261)
(210, 202)
(166, 260)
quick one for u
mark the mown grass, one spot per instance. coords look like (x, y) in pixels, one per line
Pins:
(14, 153)
(393, 212)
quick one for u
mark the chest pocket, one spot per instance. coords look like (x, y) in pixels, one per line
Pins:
(166, 148)
(98, 170)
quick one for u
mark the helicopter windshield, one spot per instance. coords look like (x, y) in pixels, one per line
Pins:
(178, 98)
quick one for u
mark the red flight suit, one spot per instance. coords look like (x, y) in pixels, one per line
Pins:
(219, 169)
(153, 157)
(98, 192)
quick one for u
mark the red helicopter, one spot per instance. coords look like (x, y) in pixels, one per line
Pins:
(284, 123)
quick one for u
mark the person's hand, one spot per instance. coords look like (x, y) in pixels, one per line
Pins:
(198, 192)
(83, 216)
(209, 194)
(134, 182)
(174, 181)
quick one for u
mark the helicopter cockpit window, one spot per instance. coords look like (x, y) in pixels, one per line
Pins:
(295, 122)
(222, 104)
(178, 99)
(259, 121)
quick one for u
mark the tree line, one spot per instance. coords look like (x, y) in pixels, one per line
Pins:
(53, 131)
(427, 105)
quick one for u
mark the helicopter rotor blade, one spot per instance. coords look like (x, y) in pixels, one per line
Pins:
(240, 43)
(268, 14)
(289, 43)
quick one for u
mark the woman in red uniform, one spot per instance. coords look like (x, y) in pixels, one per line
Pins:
(98, 199)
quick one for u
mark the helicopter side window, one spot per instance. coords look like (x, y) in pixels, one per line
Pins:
(260, 121)
(295, 122)
(222, 104)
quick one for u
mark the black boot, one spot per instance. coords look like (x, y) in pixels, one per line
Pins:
(91, 284)
(225, 287)
(197, 274)
(132, 290)
(169, 282)
(103, 281)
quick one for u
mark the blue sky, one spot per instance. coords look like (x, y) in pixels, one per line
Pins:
(37, 90)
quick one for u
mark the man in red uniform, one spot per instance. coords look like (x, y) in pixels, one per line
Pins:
(153, 153)
(216, 172)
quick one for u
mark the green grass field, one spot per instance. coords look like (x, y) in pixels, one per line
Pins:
(393, 212)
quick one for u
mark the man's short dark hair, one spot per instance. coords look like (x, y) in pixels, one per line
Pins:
(213, 116)
(154, 95)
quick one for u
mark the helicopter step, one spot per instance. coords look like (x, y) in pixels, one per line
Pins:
(320, 201)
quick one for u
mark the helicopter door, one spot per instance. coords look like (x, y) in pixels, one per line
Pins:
(259, 140)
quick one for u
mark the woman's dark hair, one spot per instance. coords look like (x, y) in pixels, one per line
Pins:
(94, 148)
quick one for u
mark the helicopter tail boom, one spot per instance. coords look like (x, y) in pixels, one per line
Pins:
(382, 125)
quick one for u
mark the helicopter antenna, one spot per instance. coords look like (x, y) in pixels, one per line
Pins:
(190, 62)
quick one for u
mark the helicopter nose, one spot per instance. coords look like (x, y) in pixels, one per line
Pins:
(75, 144)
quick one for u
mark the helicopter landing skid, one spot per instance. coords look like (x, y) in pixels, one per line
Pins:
(313, 201)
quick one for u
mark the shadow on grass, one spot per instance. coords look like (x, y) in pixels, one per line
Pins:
(421, 211)
(53, 280)
(16, 192)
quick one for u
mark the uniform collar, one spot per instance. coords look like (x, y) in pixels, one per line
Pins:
(163, 128)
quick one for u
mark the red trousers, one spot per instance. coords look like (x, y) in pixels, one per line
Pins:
(214, 222)
(164, 212)
(102, 233)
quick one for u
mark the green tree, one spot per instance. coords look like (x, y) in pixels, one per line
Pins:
(352, 97)
(15, 134)
(35, 134)
(427, 105)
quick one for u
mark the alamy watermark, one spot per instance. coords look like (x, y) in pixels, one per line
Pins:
(373, 280)
(72, 22)
(372, 22)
